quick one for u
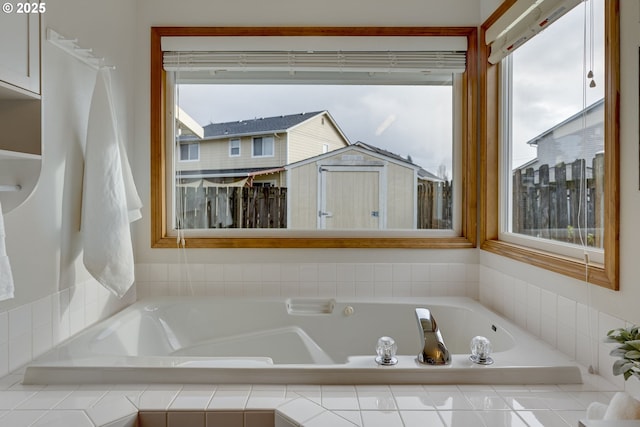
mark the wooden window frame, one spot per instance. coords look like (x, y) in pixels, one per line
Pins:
(607, 273)
(468, 186)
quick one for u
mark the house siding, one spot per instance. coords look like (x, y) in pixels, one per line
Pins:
(306, 140)
(214, 154)
(400, 204)
(303, 197)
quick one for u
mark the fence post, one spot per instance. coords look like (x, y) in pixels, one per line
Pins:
(544, 201)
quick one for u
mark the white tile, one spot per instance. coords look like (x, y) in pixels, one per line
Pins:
(327, 289)
(401, 272)
(42, 339)
(232, 272)
(382, 289)
(80, 399)
(300, 410)
(266, 399)
(252, 273)
(364, 273)
(19, 321)
(376, 400)
(421, 419)
(4, 327)
(567, 312)
(382, 272)
(308, 272)
(327, 272)
(346, 273)
(155, 399)
(439, 272)
(112, 408)
(192, 400)
(542, 419)
(290, 272)
(365, 289)
(11, 399)
(229, 399)
(41, 311)
(64, 419)
(461, 418)
(19, 351)
(381, 419)
(340, 400)
(326, 419)
(501, 419)
(449, 400)
(548, 303)
(213, 273)
(420, 273)
(271, 273)
(21, 418)
(43, 400)
(485, 400)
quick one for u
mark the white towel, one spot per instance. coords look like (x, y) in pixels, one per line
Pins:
(622, 407)
(6, 278)
(106, 235)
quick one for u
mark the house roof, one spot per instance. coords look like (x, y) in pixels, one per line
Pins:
(257, 126)
(534, 141)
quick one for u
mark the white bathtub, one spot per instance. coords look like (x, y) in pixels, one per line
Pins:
(297, 340)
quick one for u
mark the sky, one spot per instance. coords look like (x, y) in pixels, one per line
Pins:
(406, 120)
(416, 120)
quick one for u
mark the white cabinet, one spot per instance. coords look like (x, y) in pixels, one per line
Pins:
(19, 51)
(20, 105)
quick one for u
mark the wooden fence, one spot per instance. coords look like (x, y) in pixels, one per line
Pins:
(232, 207)
(266, 207)
(435, 205)
(561, 203)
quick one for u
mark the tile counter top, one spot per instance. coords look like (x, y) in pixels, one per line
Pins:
(171, 405)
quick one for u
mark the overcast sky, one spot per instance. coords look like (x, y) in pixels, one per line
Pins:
(416, 121)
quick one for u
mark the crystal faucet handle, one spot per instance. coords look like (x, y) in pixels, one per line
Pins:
(386, 349)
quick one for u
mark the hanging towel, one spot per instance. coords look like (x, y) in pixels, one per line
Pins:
(109, 200)
(6, 278)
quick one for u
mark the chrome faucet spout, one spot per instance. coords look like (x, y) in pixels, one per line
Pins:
(434, 351)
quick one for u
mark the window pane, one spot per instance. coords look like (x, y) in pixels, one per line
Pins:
(557, 140)
(184, 151)
(380, 156)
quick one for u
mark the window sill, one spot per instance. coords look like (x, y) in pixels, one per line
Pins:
(572, 267)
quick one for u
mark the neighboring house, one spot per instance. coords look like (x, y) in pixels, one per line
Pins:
(354, 187)
(581, 136)
(254, 152)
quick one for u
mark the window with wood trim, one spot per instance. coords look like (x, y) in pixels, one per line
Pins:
(550, 162)
(164, 227)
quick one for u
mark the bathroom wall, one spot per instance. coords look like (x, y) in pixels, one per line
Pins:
(54, 295)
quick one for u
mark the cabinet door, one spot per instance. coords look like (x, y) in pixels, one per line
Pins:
(20, 50)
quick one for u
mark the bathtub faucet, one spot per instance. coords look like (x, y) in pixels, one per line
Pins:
(433, 352)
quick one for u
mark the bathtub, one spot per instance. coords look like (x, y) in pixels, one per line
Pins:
(295, 341)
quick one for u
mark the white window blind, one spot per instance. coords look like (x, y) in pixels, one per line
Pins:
(521, 22)
(419, 59)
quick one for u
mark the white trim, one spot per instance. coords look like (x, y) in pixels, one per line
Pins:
(239, 147)
(273, 147)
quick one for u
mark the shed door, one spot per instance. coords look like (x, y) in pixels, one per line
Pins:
(350, 198)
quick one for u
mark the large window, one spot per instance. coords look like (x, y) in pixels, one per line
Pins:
(551, 133)
(377, 156)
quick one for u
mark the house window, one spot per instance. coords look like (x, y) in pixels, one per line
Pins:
(554, 140)
(189, 152)
(234, 147)
(262, 146)
(417, 195)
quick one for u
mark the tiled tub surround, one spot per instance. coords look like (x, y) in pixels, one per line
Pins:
(25, 332)
(209, 405)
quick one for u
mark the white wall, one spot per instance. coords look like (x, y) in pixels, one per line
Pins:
(54, 295)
